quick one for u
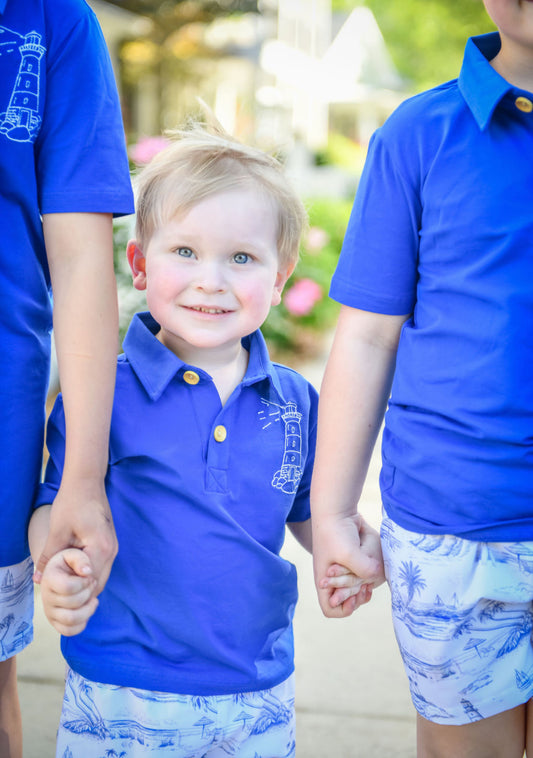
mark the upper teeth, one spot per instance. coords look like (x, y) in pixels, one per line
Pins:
(208, 310)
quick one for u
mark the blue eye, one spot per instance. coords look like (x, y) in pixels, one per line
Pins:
(185, 252)
(241, 258)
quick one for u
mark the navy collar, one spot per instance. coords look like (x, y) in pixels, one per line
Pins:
(155, 365)
(481, 86)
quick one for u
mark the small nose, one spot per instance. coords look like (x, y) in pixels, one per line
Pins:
(211, 278)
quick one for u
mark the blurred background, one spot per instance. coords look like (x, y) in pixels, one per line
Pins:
(308, 80)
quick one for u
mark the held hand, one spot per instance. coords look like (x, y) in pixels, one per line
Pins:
(348, 564)
(82, 519)
(344, 586)
(67, 591)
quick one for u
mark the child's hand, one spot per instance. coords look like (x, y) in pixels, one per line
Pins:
(341, 588)
(346, 589)
(67, 589)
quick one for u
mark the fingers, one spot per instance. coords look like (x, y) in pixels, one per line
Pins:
(360, 596)
(342, 603)
(338, 611)
(346, 590)
(81, 520)
(53, 545)
(41, 565)
(68, 591)
(102, 561)
(339, 576)
(69, 622)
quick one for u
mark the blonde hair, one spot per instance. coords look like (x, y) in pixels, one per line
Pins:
(200, 162)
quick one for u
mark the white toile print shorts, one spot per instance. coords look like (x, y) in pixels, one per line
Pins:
(16, 608)
(463, 617)
(101, 720)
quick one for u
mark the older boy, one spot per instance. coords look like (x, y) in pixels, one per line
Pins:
(439, 257)
(64, 172)
(190, 651)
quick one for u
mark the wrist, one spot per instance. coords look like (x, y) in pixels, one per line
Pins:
(329, 520)
(87, 484)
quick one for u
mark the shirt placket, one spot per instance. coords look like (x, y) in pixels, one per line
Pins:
(215, 419)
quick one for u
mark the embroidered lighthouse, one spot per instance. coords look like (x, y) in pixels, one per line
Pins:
(290, 473)
(21, 121)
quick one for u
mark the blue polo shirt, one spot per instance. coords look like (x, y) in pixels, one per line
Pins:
(199, 600)
(61, 150)
(442, 228)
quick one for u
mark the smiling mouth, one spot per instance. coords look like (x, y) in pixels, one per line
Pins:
(202, 309)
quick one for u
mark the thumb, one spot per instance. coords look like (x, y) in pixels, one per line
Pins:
(41, 565)
(77, 562)
(364, 566)
(52, 546)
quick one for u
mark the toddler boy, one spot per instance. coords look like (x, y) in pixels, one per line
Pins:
(190, 650)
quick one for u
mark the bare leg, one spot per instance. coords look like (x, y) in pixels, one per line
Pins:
(501, 736)
(529, 729)
(10, 718)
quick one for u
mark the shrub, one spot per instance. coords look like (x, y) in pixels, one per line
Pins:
(294, 328)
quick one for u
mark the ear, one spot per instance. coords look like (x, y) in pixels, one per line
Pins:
(137, 263)
(279, 284)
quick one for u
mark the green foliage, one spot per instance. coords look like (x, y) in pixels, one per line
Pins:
(293, 337)
(130, 300)
(344, 152)
(426, 38)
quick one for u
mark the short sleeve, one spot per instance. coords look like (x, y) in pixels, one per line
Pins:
(301, 509)
(81, 158)
(377, 268)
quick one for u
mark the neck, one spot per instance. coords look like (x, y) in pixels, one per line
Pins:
(515, 65)
(229, 375)
(226, 368)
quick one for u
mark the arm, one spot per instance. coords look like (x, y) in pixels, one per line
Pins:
(67, 586)
(353, 399)
(80, 255)
(302, 532)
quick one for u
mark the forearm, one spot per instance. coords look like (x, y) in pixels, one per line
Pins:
(38, 531)
(80, 254)
(353, 400)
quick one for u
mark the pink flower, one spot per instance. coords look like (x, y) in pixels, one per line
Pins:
(301, 297)
(146, 148)
(317, 238)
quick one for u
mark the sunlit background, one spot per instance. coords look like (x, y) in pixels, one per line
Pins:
(309, 80)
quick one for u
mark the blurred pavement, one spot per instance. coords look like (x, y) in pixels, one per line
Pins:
(352, 699)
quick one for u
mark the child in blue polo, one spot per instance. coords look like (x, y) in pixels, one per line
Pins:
(436, 282)
(190, 650)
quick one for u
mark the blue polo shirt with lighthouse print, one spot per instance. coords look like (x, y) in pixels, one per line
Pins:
(62, 150)
(199, 600)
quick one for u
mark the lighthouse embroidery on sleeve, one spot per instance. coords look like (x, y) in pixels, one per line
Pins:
(20, 122)
(289, 474)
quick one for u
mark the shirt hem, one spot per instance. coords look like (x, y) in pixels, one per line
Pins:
(517, 531)
(138, 679)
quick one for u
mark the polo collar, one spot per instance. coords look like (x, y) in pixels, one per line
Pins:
(260, 366)
(481, 86)
(3, 4)
(155, 365)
